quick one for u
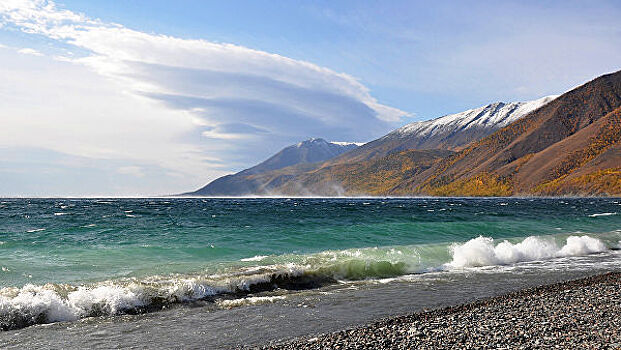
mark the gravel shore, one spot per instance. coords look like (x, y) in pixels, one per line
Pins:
(580, 314)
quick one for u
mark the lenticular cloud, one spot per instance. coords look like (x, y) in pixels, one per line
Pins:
(189, 109)
(202, 76)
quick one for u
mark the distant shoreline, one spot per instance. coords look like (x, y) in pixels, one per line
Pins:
(581, 313)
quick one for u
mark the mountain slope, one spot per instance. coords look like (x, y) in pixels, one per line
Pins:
(307, 152)
(310, 151)
(568, 145)
(456, 130)
(585, 163)
(295, 171)
(449, 132)
(577, 133)
(376, 176)
(381, 166)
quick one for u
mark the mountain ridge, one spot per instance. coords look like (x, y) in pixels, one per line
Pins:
(503, 157)
(448, 132)
(556, 145)
(498, 114)
(310, 151)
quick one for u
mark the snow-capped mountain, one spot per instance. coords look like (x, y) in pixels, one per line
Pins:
(495, 115)
(449, 132)
(445, 134)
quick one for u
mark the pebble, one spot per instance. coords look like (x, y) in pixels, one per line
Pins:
(580, 314)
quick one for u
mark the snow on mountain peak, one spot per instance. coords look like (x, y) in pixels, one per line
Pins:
(498, 114)
(344, 143)
(311, 141)
(317, 141)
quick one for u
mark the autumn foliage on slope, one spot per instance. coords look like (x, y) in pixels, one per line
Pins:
(569, 146)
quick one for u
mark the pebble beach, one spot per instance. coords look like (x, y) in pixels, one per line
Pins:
(582, 314)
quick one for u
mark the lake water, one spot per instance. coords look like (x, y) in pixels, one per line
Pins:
(224, 272)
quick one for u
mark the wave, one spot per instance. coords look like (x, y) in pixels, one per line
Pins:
(34, 304)
(482, 251)
(602, 214)
(35, 230)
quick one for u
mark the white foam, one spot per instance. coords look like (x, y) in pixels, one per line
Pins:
(33, 301)
(111, 300)
(190, 289)
(583, 245)
(255, 258)
(229, 304)
(601, 214)
(482, 251)
(51, 303)
(35, 230)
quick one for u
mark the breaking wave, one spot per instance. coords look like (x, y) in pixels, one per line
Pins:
(482, 251)
(34, 304)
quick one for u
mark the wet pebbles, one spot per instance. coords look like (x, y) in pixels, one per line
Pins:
(578, 314)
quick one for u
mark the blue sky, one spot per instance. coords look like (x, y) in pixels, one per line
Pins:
(155, 97)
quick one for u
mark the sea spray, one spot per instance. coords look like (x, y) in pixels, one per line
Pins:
(481, 251)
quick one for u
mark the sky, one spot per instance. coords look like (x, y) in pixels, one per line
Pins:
(143, 98)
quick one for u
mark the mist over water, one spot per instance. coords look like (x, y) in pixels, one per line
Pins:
(65, 259)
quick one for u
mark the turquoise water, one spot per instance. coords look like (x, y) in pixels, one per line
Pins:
(93, 256)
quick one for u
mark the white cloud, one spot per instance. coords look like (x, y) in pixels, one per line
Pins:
(191, 106)
(29, 51)
(66, 108)
(131, 170)
(115, 49)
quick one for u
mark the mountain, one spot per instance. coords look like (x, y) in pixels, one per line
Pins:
(566, 145)
(317, 167)
(570, 146)
(449, 132)
(303, 153)
(376, 176)
(310, 151)
(380, 167)
(456, 130)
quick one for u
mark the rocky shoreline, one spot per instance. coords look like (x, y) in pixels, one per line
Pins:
(584, 313)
